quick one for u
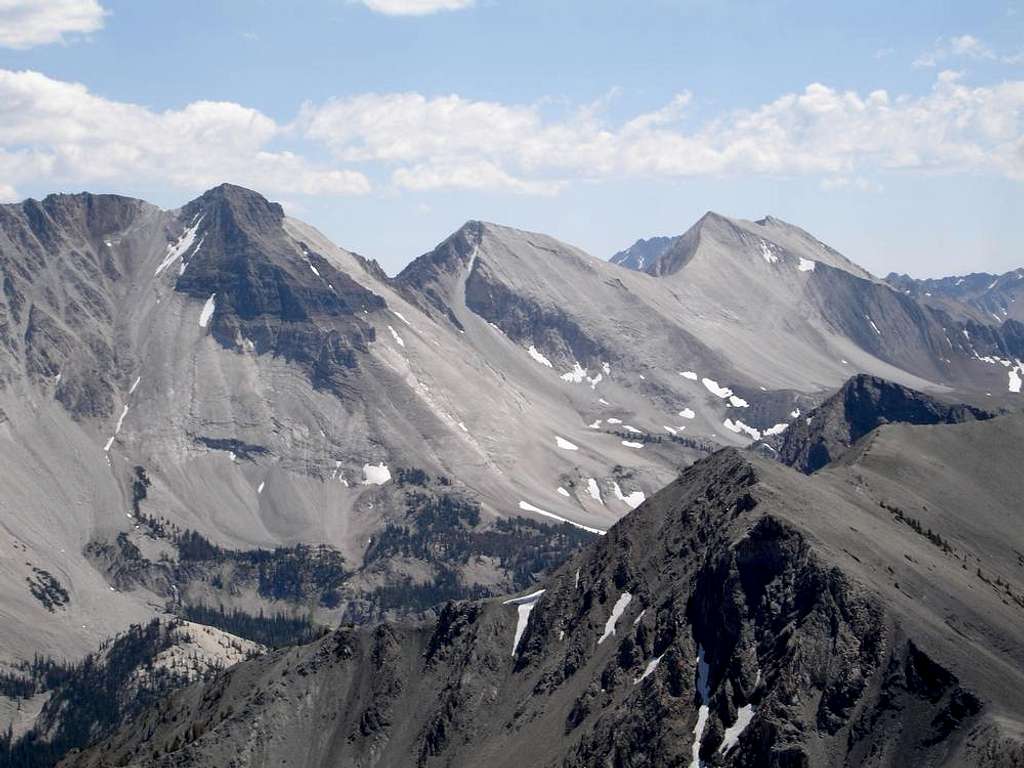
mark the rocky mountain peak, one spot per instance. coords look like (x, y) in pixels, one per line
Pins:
(236, 208)
(88, 216)
(861, 405)
(267, 292)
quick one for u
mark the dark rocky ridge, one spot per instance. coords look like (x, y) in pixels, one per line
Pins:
(426, 281)
(643, 252)
(760, 570)
(863, 404)
(979, 296)
(62, 268)
(267, 293)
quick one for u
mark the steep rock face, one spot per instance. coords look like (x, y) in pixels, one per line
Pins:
(270, 294)
(861, 405)
(736, 618)
(979, 296)
(429, 280)
(643, 253)
(65, 262)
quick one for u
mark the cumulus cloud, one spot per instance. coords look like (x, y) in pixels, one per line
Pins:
(415, 7)
(451, 141)
(28, 23)
(60, 131)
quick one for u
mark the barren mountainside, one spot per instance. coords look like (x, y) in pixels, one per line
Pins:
(745, 615)
(214, 414)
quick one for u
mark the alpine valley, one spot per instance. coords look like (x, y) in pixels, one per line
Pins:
(726, 499)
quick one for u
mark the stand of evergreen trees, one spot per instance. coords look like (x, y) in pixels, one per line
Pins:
(92, 697)
(273, 631)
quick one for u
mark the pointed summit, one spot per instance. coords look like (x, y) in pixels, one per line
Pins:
(230, 207)
(862, 404)
(661, 256)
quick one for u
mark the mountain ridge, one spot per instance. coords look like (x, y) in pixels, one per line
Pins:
(708, 572)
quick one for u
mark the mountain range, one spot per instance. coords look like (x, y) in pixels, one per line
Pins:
(215, 411)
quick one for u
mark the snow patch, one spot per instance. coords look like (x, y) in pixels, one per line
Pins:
(594, 490)
(632, 429)
(614, 421)
(595, 425)
(1015, 377)
(766, 252)
(732, 734)
(633, 500)
(688, 375)
(120, 420)
(524, 605)
(737, 402)
(617, 611)
(873, 326)
(652, 665)
(207, 313)
(579, 374)
(778, 429)
(576, 375)
(739, 427)
(563, 492)
(712, 386)
(536, 355)
(401, 317)
(179, 247)
(259, 488)
(704, 692)
(376, 474)
(806, 265)
(398, 339)
(528, 507)
(687, 413)
(631, 444)
(565, 445)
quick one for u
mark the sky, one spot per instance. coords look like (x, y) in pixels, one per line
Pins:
(892, 131)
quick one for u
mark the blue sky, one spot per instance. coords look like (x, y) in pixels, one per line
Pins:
(892, 133)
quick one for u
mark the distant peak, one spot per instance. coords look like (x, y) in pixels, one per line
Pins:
(242, 206)
(712, 216)
(235, 195)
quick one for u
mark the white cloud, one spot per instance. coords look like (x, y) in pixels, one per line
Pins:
(962, 46)
(60, 131)
(415, 7)
(452, 141)
(62, 134)
(480, 174)
(28, 23)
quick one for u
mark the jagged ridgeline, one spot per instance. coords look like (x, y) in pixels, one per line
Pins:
(215, 415)
(745, 615)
